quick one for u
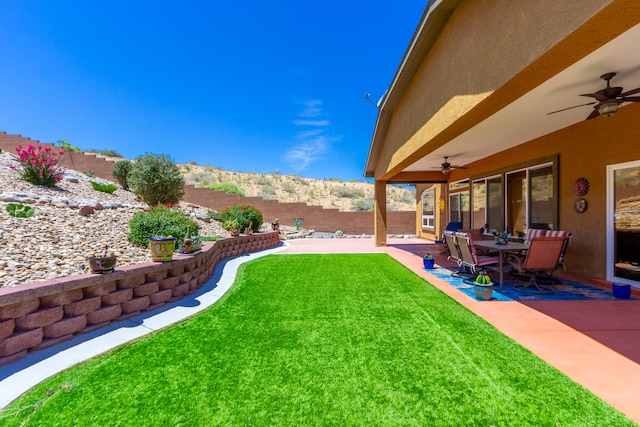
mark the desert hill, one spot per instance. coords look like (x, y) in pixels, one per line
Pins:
(332, 193)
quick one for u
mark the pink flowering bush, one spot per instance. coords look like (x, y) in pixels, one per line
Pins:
(40, 166)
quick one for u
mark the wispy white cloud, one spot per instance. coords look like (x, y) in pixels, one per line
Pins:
(311, 122)
(311, 108)
(314, 143)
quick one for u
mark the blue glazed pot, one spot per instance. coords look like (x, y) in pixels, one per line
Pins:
(428, 263)
(621, 291)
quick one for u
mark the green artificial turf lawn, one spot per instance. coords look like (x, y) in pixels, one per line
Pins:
(348, 340)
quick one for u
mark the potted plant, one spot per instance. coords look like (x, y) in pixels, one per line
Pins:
(483, 286)
(232, 226)
(162, 247)
(190, 245)
(103, 263)
(428, 261)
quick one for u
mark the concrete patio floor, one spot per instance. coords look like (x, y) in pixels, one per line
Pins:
(595, 343)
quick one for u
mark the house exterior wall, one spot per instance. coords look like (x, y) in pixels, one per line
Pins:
(498, 40)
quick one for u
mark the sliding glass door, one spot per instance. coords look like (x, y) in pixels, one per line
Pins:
(623, 223)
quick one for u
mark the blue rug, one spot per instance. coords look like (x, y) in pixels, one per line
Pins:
(564, 291)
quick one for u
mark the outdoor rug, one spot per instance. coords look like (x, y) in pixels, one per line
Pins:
(564, 290)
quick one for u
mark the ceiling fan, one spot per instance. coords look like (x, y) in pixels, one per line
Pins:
(607, 100)
(446, 167)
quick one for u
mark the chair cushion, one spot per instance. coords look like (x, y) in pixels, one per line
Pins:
(557, 233)
(532, 233)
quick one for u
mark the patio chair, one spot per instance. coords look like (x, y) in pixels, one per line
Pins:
(567, 236)
(470, 257)
(541, 260)
(454, 254)
(476, 235)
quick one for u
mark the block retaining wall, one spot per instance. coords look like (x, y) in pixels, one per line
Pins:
(39, 315)
(315, 217)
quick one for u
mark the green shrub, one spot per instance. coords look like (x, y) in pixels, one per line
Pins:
(227, 187)
(156, 179)
(90, 173)
(67, 146)
(215, 215)
(244, 214)
(121, 171)
(19, 210)
(105, 188)
(160, 221)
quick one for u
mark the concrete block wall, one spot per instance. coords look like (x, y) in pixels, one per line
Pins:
(315, 217)
(39, 315)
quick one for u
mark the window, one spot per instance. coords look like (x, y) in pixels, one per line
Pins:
(488, 204)
(531, 199)
(459, 208)
(428, 208)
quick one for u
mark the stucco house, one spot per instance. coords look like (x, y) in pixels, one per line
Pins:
(510, 95)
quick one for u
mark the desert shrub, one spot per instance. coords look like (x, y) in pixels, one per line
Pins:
(227, 187)
(263, 180)
(105, 188)
(160, 221)
(90, 173)
(268, 192)
(200, 177)
(109, 152)
(363, 205)
(121, 171)
(156, 179)
(244, 214)
(406, 197)
(348, 192)
(40, 166)
(289, 187)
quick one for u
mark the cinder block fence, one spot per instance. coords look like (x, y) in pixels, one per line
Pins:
(39, 315)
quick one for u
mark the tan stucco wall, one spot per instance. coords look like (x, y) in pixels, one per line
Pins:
(480, 56)
(584, 150)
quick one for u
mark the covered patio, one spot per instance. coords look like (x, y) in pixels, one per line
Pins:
(511, 116)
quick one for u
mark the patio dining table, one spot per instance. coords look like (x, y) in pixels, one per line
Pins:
(502, 249)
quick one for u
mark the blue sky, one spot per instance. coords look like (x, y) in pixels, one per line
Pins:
(247, 86)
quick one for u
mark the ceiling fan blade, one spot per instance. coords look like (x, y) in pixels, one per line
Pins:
(631, 99)
(598, 96)
(630, 92)
(595, 113)
(458, 167)
(569, 108)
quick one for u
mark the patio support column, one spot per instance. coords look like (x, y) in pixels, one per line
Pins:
(380, 213)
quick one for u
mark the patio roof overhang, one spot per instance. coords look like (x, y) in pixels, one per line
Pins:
(515, 112)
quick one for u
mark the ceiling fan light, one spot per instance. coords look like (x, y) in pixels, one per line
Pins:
(446, 171)
(608, 108)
